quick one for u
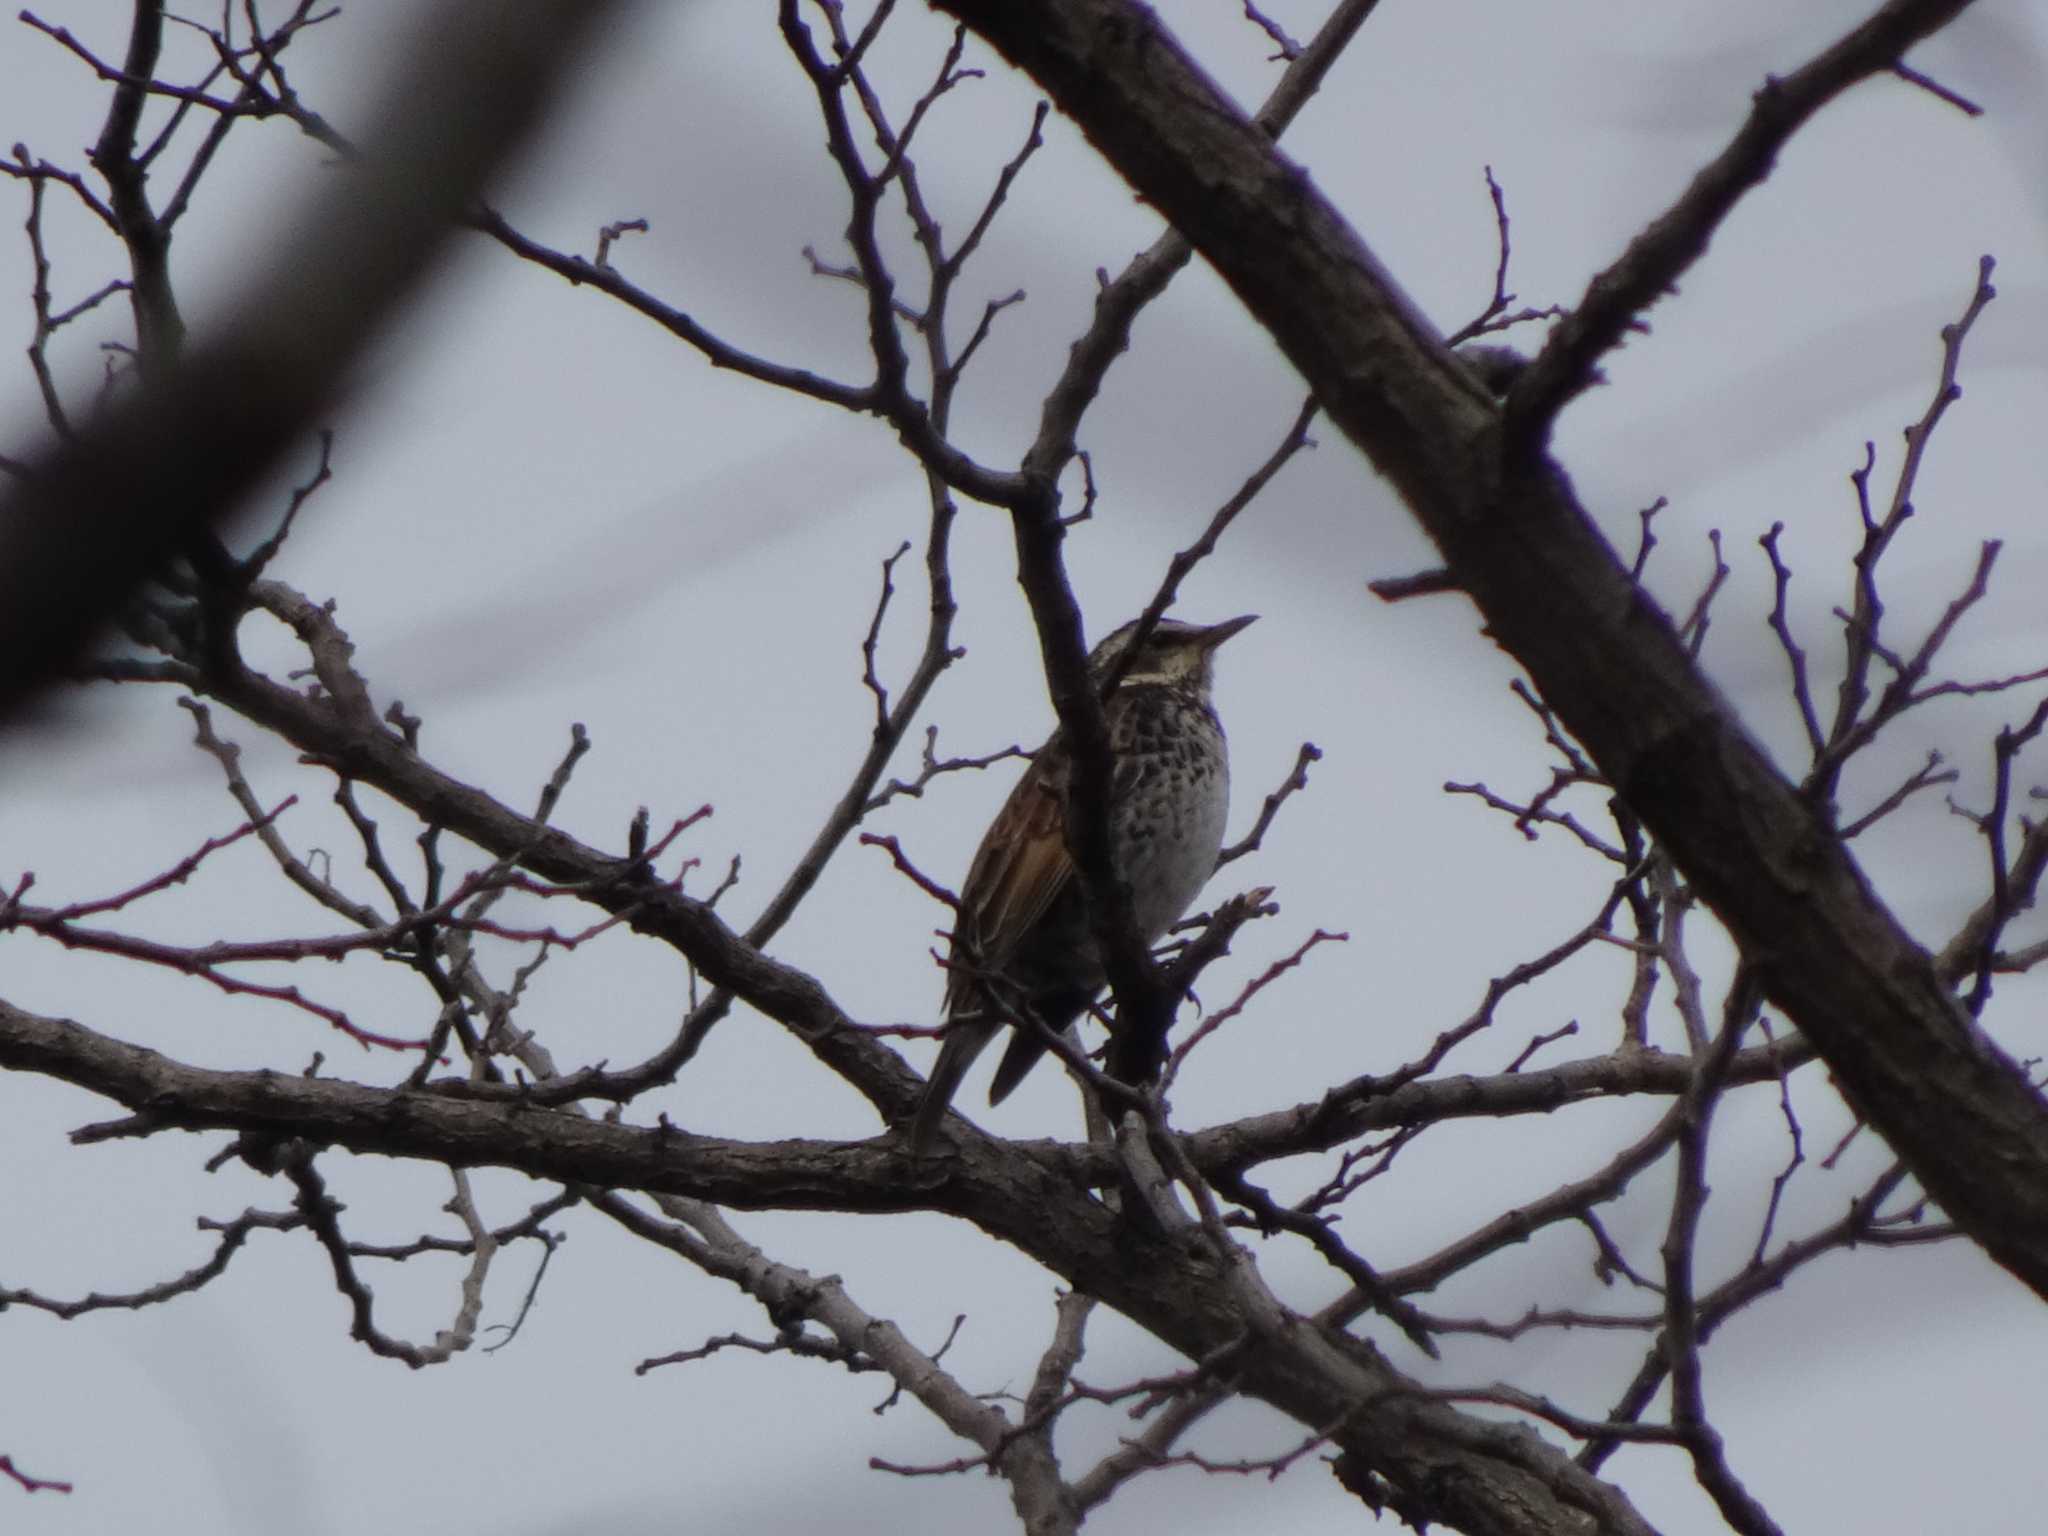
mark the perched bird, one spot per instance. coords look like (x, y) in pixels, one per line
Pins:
(1023, 940)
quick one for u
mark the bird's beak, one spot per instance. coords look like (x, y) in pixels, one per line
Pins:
(1216, 634)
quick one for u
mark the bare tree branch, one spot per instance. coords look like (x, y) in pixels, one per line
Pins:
(1554, 594)
(1656, 258)
(152, 473)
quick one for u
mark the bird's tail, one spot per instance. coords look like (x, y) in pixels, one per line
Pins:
(965, 1040)
(1055, 1011)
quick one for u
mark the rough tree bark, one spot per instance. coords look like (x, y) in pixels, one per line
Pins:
(1550, 587)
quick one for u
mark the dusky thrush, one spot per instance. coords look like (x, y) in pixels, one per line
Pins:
(1023, 948)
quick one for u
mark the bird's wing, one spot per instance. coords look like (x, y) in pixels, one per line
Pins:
(1021, 866)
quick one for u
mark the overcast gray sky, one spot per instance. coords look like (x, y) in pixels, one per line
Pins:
(549, 512)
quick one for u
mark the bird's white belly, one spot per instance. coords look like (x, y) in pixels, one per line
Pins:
(1168, 850)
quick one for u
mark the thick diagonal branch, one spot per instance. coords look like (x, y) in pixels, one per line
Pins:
(91, 521)
(1555, 596)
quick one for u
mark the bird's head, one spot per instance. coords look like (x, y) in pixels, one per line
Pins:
(1173, 652)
